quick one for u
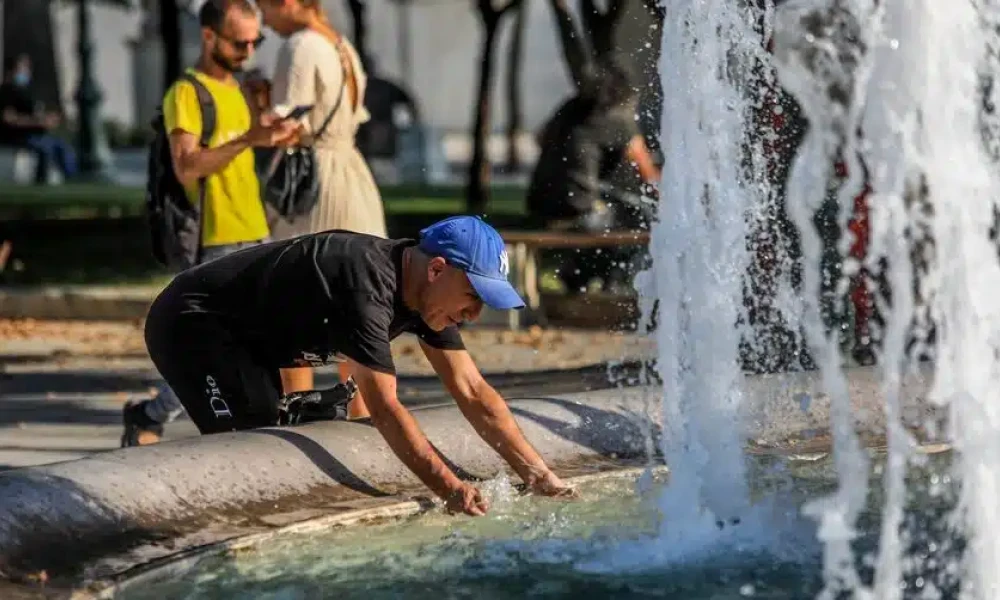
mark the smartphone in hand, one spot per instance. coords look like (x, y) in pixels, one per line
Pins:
(299, 111)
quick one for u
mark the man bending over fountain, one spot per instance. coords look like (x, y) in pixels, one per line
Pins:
(220, 331)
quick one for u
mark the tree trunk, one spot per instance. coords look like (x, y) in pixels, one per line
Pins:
(477, 190)
(358, 9)
(514, 112)
(170, 36)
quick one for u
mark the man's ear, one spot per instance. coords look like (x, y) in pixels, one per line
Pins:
(436, 268)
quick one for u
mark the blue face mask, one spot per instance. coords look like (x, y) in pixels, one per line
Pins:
(22, 78)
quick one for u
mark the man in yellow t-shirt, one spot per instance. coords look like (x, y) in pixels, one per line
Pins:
(233, 212)
(233, 216)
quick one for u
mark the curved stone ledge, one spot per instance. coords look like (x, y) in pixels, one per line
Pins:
(96, 517)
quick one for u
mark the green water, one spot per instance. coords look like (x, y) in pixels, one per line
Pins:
(614, 542)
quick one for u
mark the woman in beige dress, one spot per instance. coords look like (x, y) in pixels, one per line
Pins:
(315, 66)
(318, 66)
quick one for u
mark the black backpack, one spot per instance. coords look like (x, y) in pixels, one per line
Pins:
(174, 223)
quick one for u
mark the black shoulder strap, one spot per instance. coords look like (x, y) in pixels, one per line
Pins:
(207, 105)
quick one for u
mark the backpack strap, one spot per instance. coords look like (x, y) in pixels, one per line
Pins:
(207, 105)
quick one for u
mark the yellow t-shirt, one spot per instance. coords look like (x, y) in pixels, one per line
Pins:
(233, 209)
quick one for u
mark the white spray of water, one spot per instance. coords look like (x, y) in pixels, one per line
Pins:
(700, 257)
(964, 280)
(889, 126)
(827, 73)
(908, 73)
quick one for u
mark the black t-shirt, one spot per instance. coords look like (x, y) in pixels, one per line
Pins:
(306, 300)
(22, 102)
(580, 146)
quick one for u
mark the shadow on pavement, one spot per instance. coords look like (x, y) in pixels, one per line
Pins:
(56, 411)
(138, 381)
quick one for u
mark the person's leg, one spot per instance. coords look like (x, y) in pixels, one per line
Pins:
(222, 387)
(65, 157)
(586, 264)
(44, 148)
(165, 407)
(144, 420)
(357, 409)
(623, 262)
(219, 383)
(297, 380)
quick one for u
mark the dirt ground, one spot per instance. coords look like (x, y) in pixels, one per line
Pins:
(495, 350)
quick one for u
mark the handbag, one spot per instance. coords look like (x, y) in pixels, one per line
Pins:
(291, 181)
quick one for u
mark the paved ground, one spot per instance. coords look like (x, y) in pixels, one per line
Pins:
(62, 384)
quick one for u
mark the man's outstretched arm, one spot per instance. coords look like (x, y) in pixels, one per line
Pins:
(409, 443)
(488, 413)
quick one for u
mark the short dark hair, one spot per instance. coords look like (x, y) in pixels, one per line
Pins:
(213, 12)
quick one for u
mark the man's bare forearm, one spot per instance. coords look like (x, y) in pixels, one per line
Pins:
(194, 165)
(13, 119)
(494, 422)
(404, 437)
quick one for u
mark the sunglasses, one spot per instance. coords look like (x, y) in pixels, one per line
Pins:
(241, 45)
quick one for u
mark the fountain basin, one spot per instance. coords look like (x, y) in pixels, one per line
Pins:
(95, 518)
(618, 540)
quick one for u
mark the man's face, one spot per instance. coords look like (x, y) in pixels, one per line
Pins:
(235, 42)
(448, 298)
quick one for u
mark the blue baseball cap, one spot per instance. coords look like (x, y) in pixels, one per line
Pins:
(469, 244)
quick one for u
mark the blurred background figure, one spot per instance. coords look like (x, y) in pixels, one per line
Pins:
(28, 123)
(581, 146)
(318, 67)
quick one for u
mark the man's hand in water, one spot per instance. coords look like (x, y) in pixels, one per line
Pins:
(552, 486)
(467, 499)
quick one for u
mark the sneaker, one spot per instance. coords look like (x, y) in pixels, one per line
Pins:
(317, 405)
(140, 430)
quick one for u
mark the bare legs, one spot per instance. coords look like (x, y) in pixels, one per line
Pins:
(297, 380)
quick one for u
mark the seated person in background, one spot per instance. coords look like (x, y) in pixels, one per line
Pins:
(582, 144)
(22, 124)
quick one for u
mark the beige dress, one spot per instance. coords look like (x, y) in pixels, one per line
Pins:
(309, 71)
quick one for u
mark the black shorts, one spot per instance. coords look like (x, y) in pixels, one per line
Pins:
(220, 383)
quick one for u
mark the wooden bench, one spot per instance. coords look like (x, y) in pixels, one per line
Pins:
(523, 248)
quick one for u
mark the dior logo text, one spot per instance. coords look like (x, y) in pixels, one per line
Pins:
(215, 400)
